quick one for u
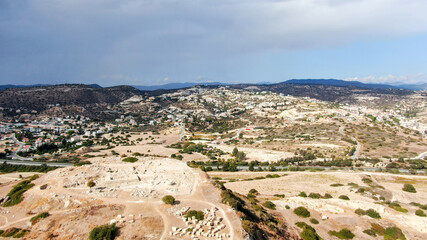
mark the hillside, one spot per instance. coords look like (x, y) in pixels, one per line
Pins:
(321, 91)
(76, 98)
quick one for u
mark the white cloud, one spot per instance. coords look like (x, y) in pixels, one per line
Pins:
(391, 79)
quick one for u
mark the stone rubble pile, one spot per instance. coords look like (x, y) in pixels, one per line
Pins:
(209, 227)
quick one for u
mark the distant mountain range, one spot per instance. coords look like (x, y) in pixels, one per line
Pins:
(328, 82)
(176, 85)
(336, 82)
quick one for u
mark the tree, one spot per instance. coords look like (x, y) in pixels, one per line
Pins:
(168, 199)
(235, 152)
(251, 166)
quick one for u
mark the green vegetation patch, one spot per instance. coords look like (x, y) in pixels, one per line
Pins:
(409, 188)
(16, 194)
(420, 213)
(168, 199)
(344, 197)
(302, 212)
(199, 215)
(104, 232)
(8, 168)
(14, 232)
(314, 221)
(337, 185)
(39, 216)
(344, 233)
(130, 159)
(269, 204)
(308, 232)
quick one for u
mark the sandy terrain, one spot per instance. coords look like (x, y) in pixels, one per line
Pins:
(126, 193)
(339, 213)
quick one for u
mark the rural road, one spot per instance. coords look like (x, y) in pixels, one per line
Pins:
(183, 132)
(356, 153)
(21, 145)
(421, 156)
(28, 163)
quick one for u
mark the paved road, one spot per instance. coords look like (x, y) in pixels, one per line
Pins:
(28, 163)
(21, 145)
(421, 156)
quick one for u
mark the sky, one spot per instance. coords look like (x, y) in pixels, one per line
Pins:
(151, 42)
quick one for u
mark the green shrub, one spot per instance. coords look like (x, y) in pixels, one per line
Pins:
(279, 195)
(372, 213)
(327, 196)
(344, 197)
(302, 194)
(308, 232)
(91, 183)
(344, 233)
(10, 232)
(314, 195)
(21, 233)
(370, 232)
(168, 199)
(197, 214)
(104, 232)
(409, 188)
(130, 159)
(314, 221)
(420, 213)
(39, 216)
(253, 191)
(367, 180)
(269, 204)
(337, 185)
(287, 207)
(394, 233)
(360, 212)
(16, 194)
(302, 212)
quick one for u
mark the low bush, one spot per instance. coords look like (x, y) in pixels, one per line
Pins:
(344, 233)
(287, 207)
(420, 213)
(36, 218)
(327, 196)
(372, 213)
(308, 232)
(302, 212)
(168, 199)
(196, 214)
(302, 194)
(344, 197)
(130, 159)
(314, 195)
(370, 232)
(409, 188)
(105, 232)
(394, 233)
(314, 221)
(396, 206)
(253, 191)
(91, 183)
(360, 212)
(337, 185)
(279, 195)
(269, 204)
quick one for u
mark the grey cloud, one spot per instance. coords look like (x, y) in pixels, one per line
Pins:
(80, 40)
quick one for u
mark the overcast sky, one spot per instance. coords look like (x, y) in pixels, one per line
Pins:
(149, 42)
